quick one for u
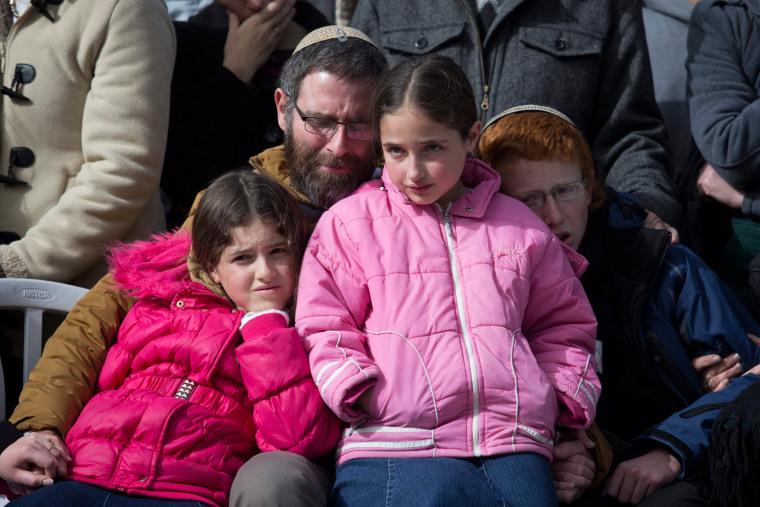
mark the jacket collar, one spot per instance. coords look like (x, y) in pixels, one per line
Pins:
(752, 5)
(272, 163)
(478, 176)
(677, 9)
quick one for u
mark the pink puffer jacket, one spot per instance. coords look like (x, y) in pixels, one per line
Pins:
(471, 325)
(184, 397)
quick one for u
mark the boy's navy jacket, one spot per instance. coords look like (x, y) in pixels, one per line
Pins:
(659, 306)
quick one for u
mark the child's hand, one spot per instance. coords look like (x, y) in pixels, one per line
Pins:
(573, 467)
(252, 315)
(715, 371)
(637, 478)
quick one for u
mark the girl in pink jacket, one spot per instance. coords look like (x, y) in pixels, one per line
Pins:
(206, 372)
(442, 320)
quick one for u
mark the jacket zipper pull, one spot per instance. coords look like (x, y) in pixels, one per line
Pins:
(484, 104)
(356, 426)
(447, 224)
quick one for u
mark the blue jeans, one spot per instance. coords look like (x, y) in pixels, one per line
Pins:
(70, 493)
(522, 479)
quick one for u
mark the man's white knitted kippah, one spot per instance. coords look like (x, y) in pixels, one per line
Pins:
(342, 33)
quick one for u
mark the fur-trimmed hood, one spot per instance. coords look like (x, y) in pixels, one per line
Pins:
(157, 268)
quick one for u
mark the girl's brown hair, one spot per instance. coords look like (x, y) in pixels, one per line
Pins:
(433, 85)
(536, 136)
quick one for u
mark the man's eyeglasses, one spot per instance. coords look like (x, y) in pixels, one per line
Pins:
(325, 127)
(560, 193)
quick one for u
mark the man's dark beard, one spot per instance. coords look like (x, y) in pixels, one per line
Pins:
(324, 188)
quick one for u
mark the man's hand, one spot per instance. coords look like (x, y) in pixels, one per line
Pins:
(715, 372)
(573, 467)
(638, 478)
(712, 185)
(652, 221)
(243, 9)
(33, 461)
(251, 37)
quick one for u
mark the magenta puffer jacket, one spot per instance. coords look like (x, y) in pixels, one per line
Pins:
(184, 398)
(470, 324)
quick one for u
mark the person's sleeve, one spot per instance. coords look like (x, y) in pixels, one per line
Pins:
(333, 301)
(288, 412)
(64, 379)
(751, 203)
(724, 106)
(686, 434)
(8, 434)
(124, 128)
(709, 319)
(628, 134)
(561, 328)
(602, 453)
(706, 313)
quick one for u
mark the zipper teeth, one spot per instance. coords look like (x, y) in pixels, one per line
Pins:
(465, 333)
(483, 77)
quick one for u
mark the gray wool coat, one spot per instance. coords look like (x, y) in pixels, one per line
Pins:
(724, 91)
(587, 58)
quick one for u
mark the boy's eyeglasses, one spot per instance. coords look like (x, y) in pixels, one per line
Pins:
(326, 127)
(560, 193)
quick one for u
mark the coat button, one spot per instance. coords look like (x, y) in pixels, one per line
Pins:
(180, 304)
(143, 479)
(421, 42)
(469, 208)
(560, 45)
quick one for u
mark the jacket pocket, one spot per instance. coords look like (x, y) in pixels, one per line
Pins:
(404, 393)
(560, 43)
(558, 65)
(441, 39)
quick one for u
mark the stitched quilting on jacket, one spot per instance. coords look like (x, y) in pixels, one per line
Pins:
(470, 323)
(184, 398)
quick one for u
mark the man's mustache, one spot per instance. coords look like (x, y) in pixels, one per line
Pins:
(325, 159)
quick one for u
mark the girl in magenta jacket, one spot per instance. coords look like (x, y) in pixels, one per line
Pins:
(442, 320)
(205, 372)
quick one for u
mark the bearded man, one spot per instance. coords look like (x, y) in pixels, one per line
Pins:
(322, 103)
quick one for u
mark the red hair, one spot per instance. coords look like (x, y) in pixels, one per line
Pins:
(536, 136)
